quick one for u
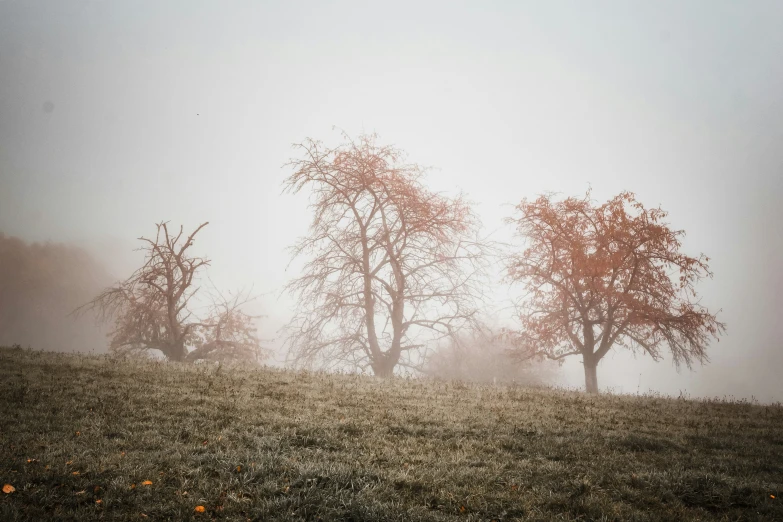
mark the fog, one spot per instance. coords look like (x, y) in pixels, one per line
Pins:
(117, 115)
(40, 286)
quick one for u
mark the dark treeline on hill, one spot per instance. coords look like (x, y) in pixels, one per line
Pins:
(40, 284)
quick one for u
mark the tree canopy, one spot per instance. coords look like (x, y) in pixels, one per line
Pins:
(599, 276)
(390, 265)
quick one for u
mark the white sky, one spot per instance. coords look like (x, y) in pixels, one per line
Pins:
(186, 110)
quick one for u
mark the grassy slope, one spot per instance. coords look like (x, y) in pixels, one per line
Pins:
(281, 445)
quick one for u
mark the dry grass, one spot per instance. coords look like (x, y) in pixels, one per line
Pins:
(279, 445)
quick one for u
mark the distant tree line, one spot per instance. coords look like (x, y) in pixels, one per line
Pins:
(40, 284)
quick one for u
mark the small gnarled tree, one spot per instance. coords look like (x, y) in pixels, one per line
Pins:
(600, 276)
(153, 309)
(391, 266)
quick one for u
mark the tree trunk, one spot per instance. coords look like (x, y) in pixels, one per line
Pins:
(591, 374)
(383, 366)
(176, 352)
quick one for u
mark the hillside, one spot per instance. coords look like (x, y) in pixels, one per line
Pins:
(80, 436)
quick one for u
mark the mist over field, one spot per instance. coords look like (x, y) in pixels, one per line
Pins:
(377, 261)
(115, 116)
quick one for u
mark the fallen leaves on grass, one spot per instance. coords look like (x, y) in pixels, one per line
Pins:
(8, 488)
(146, 483)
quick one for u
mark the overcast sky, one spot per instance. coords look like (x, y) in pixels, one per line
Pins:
(115, 115)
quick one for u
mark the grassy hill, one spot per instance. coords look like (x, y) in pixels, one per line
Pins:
(88, 438)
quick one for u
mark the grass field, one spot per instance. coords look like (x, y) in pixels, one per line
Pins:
(95, 438)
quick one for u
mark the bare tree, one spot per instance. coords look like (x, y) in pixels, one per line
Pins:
(604, 275)
(391, 266)
(152, 309)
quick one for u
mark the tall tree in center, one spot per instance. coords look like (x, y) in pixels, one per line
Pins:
(391, 267)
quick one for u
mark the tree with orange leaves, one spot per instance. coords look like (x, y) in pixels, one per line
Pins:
(600, 276)
(391, 266)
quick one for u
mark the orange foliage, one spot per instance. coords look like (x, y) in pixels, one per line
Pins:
(599, 276)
